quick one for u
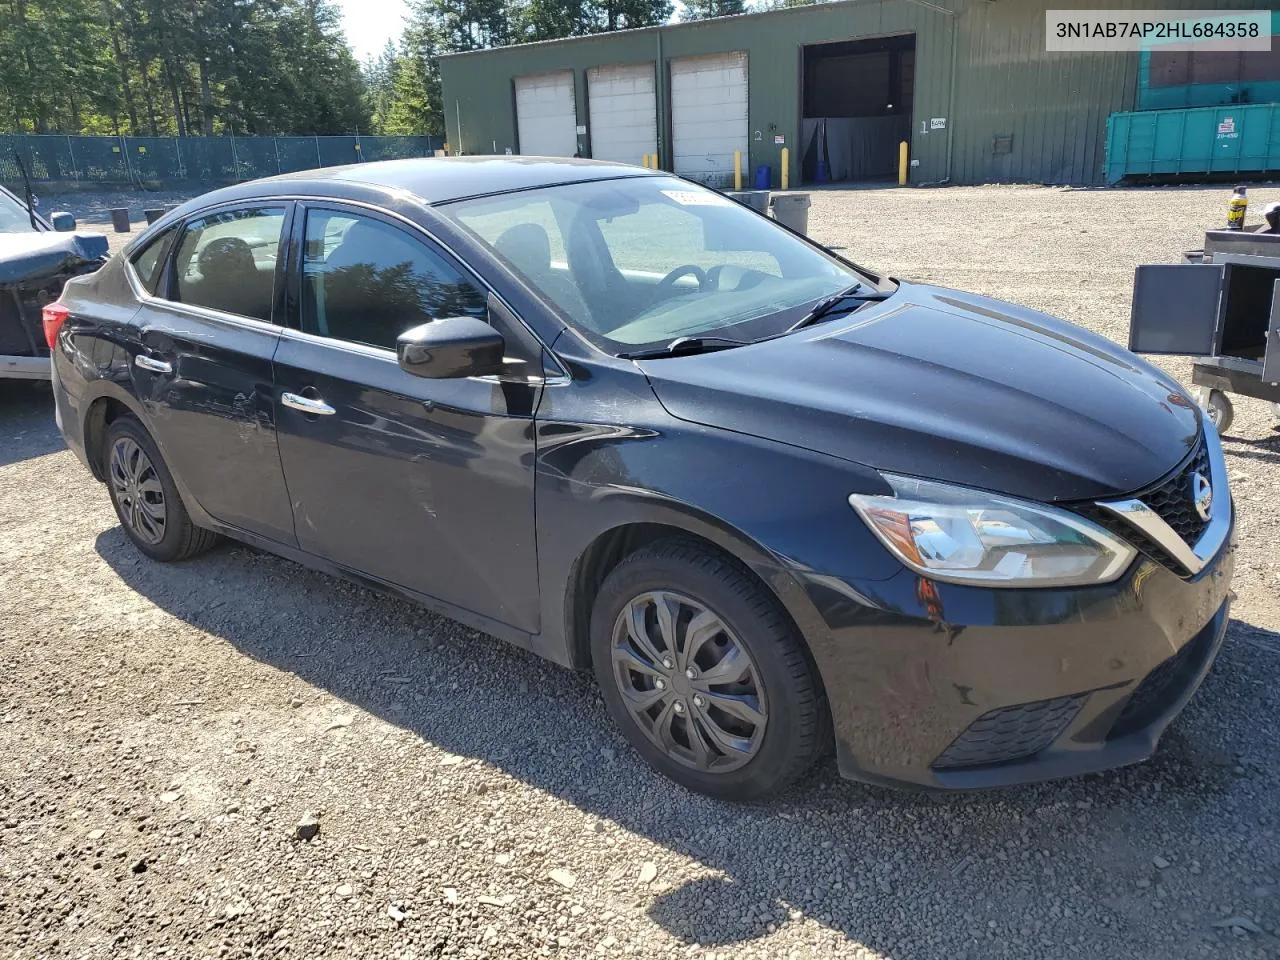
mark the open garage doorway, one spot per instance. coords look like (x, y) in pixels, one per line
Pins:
(857, 98)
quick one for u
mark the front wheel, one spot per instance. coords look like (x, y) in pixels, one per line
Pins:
(705, 673)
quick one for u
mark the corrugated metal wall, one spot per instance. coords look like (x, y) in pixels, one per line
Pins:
(478, 86)
(1049, 110)
(1013, 111)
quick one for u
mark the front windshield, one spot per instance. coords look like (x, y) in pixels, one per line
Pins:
(13, 215)
(640, 261)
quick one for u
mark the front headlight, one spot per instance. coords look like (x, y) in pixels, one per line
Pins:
(970, 536)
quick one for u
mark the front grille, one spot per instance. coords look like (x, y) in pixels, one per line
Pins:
(1171, 498)
(1151, 697)
(1010, 733)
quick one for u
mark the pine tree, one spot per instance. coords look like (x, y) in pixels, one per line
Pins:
(380, 75)
(415, 106)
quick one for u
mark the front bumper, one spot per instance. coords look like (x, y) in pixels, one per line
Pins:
(955, 687)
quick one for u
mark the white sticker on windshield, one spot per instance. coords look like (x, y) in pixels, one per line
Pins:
(697, 198)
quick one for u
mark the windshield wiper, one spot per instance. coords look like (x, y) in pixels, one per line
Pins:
(828, 305)
(26, 184)
(685, 345)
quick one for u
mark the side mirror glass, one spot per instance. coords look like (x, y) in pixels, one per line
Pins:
(62, 221)
(451, 347)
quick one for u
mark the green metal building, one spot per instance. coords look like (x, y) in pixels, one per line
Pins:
(967, 83)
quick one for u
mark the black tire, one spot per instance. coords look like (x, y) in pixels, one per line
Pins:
(1220, 409)
(796, 729)
(175, 537)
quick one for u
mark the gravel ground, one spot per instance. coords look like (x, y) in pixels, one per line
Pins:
(168, 732)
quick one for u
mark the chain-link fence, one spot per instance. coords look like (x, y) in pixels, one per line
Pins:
(159, 160)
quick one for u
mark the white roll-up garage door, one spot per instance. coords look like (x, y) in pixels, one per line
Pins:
(709, 115)
(624, 112)
(546, 117)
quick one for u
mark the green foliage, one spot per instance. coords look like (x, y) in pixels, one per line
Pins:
(179, 67)
(551, 19)
(415, 103)
(53, 63)
(706, 9)
(172, 67)
(380, 74)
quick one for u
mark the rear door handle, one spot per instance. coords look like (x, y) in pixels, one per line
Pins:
(152, 364)
(307, 404)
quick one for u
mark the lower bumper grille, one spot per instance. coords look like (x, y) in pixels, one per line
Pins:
(1010, 733)
(1167, 682)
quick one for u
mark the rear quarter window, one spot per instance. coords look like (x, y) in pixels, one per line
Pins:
(146, 262)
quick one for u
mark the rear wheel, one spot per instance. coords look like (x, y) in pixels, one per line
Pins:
(705, 673)
(146, 498)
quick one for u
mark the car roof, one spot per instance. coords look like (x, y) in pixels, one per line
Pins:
(434, 179)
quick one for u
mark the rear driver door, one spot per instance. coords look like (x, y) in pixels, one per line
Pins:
(203, 371)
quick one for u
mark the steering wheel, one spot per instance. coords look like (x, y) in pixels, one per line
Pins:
(669, 281)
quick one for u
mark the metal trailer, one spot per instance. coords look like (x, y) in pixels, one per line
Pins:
(1221, 305)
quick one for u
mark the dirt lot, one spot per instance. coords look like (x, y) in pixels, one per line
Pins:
(163, 730)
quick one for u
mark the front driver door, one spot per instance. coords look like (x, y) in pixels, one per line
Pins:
(425, 484)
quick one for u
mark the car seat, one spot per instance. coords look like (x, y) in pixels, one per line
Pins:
(230, 280)
(527, 247)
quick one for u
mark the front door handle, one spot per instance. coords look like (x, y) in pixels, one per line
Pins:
(152, 364)
(307, 404)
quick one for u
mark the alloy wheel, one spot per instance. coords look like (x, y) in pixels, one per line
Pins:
(689, 682)
(138, 491)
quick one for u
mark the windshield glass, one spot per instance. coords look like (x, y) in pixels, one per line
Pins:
(13, 215)
(640, 261)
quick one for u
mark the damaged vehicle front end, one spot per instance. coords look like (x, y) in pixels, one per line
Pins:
(36, 259)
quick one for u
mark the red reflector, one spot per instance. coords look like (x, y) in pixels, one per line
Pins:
(54, 316)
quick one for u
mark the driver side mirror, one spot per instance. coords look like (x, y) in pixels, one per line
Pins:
(451, 347)
(62, 221)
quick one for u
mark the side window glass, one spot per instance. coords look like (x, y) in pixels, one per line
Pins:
(227, 261)
(147, 260)
(367, 282)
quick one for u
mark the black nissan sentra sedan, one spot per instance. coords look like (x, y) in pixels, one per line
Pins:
(776, 501)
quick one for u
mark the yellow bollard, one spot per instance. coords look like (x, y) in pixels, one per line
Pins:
(644, 160)
(737, 169)
(902, 164)
(786, 169)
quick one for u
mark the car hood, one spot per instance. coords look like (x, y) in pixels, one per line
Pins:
(30, 256)
(951, 386)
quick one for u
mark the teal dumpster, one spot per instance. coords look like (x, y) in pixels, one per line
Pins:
(1243, 138)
